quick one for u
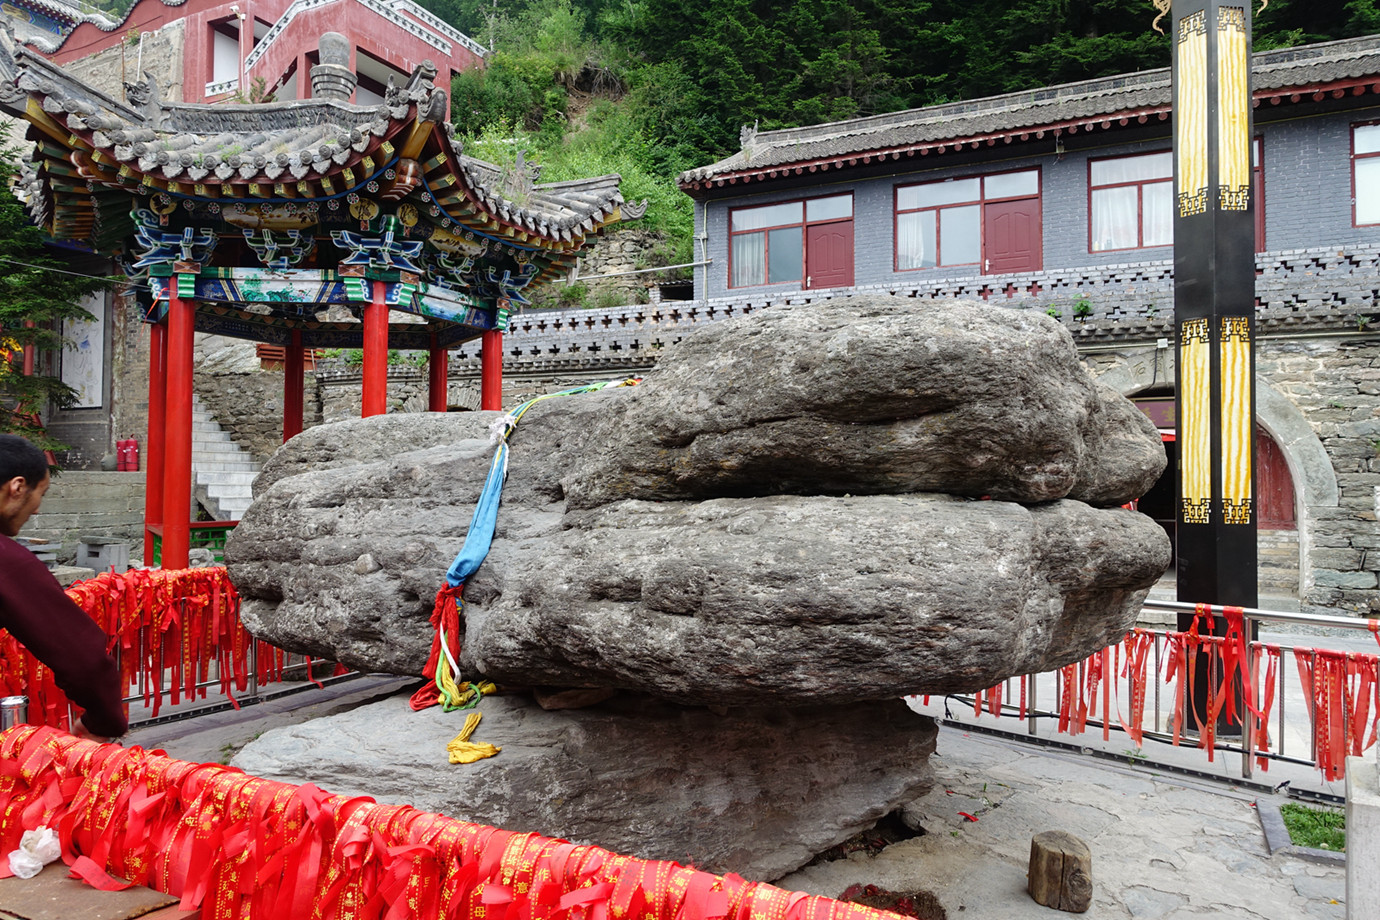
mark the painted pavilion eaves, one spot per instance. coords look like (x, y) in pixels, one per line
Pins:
(381, 193)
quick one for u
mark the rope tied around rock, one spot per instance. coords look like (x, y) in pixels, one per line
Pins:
(444, 685)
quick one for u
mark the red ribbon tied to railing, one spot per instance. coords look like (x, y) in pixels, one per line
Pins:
(238, 846)
(176, 620)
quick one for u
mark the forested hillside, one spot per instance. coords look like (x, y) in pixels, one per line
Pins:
(648, 88)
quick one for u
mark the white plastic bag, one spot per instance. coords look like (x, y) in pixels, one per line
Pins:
(37, 848)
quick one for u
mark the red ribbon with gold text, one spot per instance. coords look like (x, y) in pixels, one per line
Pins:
(162, 621)
(237, 846)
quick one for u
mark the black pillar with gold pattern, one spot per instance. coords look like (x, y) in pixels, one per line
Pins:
(1214, 304)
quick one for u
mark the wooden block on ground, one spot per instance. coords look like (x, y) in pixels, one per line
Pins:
(1060, 874)
(51, 895)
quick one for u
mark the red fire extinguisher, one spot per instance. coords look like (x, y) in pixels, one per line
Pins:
(127, 455)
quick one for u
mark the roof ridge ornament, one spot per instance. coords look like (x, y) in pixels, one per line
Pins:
(147, 97)
(747, 136)
(332, 78)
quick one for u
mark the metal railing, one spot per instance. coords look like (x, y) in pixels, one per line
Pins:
(1296, 714)
(214, 691)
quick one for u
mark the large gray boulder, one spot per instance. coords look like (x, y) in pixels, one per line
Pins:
(748, 791)
(772, 514)
(793, 600)
(872, 395)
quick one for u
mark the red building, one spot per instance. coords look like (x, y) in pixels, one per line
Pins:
(226, 46)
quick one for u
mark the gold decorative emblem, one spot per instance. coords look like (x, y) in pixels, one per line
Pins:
(364, 210)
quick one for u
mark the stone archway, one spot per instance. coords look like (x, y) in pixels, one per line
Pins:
(1315, 481)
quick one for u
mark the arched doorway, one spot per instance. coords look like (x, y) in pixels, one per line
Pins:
(1277, 528)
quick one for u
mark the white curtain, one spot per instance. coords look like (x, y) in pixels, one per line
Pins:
(910, 240)
(1114, 218)
(1157, 214)
(749, 259)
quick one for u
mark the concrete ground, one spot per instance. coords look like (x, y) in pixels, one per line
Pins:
(1164, 847)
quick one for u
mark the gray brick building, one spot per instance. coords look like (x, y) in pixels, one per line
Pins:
(1058, 200)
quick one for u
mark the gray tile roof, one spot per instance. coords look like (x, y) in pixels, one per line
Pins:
(1135, 94)
(304, 144)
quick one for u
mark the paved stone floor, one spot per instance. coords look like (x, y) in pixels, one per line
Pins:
(1164, 847)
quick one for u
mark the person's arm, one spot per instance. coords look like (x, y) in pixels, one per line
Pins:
(38, 613)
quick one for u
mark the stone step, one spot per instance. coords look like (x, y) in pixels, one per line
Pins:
(224, 471)
(229, 496)
(229, 477)
(211, 468)
(217, 446)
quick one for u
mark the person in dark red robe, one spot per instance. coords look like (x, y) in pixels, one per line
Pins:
(38, 613)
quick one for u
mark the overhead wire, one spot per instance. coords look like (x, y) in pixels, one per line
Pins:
(63, 271)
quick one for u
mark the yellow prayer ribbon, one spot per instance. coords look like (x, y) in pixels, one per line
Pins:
(462, 750)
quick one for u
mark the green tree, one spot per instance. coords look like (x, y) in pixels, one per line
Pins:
(36, 294)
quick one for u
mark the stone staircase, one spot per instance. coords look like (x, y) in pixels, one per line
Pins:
(222, 472)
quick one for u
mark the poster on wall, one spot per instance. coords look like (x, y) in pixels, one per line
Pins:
(83, 353)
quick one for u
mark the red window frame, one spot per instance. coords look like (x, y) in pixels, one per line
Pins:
(1139, 185)
(980, 202)
(766, 234)
(1354, 158)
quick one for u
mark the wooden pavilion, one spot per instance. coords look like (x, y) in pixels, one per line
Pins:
(304, 224)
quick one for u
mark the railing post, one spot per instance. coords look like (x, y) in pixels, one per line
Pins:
(1031, 680)
(1249, 694)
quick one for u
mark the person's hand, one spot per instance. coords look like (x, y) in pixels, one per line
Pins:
(81, 731)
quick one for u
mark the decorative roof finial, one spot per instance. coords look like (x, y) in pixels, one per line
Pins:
(747, 135)
(333, 78)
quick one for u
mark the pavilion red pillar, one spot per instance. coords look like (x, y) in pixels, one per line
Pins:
(491, 370)
(154, 438)
(438, 376)
(177, 448)
(294, 367)
(28, 352)
(376, 354)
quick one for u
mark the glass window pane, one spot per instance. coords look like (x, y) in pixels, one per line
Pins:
(749, 260)
(1024, 184)
(1114, 218)
(915, 240)
(1368, 139)
(772, 215)
(835, 208)
(1368, 191)
(953, 191)
(1157, 214)
(1132, 169)
(959, 239)
(784, 252)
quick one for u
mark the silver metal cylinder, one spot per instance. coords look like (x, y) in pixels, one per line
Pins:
(14, 710)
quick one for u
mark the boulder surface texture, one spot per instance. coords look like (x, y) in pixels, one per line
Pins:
(787, 512)
(748, 791)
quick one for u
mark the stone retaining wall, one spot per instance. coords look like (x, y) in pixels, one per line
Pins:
(82, 503)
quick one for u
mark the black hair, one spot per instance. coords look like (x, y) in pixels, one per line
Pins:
(19, 457)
